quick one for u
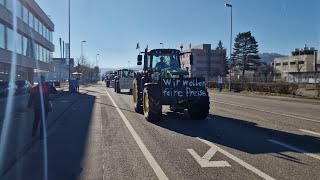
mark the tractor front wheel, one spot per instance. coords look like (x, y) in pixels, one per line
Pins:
(137, 99)
(152, 106)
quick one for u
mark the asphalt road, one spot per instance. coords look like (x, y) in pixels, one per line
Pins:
(101, 137)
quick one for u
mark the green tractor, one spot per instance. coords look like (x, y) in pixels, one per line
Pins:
(123, 80)
(163, 82)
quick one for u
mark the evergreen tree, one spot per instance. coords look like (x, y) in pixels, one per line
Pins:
(220, 46)
(245, 53)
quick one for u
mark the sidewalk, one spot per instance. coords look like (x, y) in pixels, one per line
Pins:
(19, 132)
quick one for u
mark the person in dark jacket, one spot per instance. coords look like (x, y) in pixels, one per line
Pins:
(39, 102)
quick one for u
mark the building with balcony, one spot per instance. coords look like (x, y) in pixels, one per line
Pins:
(207, 62)
(25, 39)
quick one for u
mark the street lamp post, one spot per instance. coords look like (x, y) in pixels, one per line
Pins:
(162, 45)
(129, 64)
(97, 59)
(69, 54)
(230, 6)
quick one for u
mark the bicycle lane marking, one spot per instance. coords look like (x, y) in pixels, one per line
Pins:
(153, 163)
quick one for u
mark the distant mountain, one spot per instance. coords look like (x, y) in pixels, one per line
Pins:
(269, 57)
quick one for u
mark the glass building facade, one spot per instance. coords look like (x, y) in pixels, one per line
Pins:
(31, 44)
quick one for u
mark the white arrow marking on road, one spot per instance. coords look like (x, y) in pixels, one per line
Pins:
(205, 160)
(239, 161)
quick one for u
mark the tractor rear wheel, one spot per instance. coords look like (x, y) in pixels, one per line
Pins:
(118, 90)
(152, 106)
(199, 109)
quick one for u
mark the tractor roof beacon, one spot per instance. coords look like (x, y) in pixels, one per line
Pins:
(163, 82)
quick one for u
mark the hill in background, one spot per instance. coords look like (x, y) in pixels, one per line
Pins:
(269, 57)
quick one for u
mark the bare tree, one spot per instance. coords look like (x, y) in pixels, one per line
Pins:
(297, 64)
(266, 70)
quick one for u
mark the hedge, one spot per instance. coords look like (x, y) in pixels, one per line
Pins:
(281, 88)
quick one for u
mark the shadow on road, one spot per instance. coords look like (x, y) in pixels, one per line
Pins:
(67, 142)
(238, 134)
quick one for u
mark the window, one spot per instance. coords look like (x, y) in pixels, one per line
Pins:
(19, 43)
(24, 46)
(31, 22)
(41, 28)
(292, 63)
(301, 62)
(2, 45)
(25, 15)
(19, 10)
(36, 24)
(10, 42)
(285, 63)
(278, 64)
(9, 5)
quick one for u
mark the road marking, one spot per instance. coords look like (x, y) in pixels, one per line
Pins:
(271, 112)
(310, 132)
(205, 160)
(294, 149)
(153, 163)
(239, 161)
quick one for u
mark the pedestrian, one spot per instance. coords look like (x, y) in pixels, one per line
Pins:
(220, 83)
(39, 102)
(77, 84)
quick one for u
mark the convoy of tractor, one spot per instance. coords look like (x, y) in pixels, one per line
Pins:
(162, 81)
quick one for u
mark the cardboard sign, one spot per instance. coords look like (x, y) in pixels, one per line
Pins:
(188, 88)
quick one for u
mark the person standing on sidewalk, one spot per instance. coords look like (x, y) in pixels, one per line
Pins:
(39, 102)
(77, 84)
(220, 81)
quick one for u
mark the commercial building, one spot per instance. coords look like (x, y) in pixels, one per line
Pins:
(207, 62)
(301, 67)
(25, 39)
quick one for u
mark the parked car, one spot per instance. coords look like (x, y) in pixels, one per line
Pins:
(6, 87)
(23, 86)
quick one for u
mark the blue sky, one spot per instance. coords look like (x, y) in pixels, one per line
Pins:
(113, 27)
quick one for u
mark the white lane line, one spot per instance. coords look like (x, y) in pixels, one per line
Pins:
(294, 149)
(239, 161)
(310, 132)
(153, 163)
(271, 112)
